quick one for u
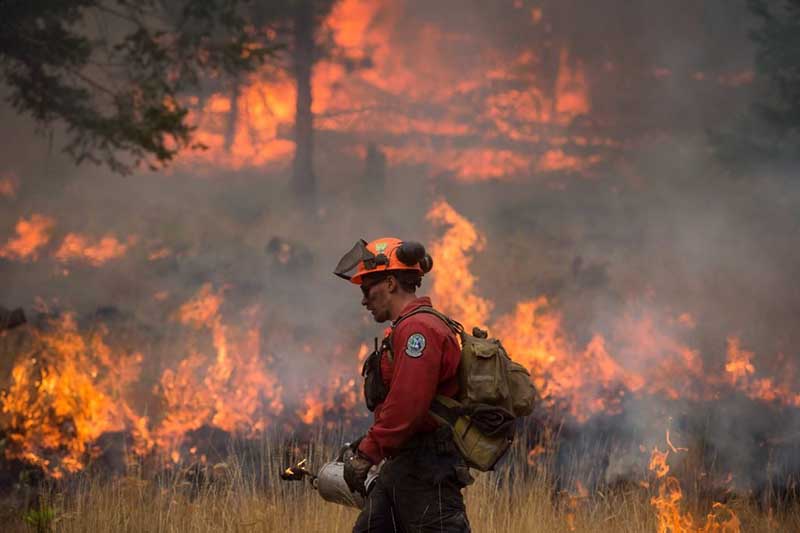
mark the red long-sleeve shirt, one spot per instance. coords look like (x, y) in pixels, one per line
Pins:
(426, 358)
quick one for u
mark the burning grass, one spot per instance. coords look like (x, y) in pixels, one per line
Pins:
(81, 396)
(243, 492)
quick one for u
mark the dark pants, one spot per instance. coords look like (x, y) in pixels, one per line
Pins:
(417, 491)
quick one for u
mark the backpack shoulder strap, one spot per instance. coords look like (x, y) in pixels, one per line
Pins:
(454, 326)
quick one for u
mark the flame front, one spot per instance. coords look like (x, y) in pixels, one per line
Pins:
(643, 355)
(69, 387)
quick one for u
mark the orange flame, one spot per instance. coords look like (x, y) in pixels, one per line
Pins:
(65, 392)
(642, 356)
(159, 253)
(572, 91)
(721, 519)
(261, 108)
(741, 371)
(313, 409)
(383, 75)
(341, 394)
(738, 367)
(68, 389)
(8, 186)
(234, 392)
(73, 387)
(454, 292)
(78, 247)
(32, 234)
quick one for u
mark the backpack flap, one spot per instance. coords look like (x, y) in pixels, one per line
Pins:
(482, 372)
(482, 435)
(523, 393)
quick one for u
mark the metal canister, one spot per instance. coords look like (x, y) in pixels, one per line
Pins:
(332, 487)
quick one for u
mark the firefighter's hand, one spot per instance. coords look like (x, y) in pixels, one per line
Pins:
(356, 469)
(354, 445)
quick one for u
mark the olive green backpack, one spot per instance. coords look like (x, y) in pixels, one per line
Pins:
(494, 392)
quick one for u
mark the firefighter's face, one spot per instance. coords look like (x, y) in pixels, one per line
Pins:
(376, 297)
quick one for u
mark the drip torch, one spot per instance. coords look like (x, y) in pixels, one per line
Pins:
(329, 480)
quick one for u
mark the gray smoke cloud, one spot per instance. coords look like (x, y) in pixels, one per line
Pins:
(659, 221)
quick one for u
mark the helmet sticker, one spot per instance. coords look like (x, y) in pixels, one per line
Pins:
(415, 345)
(380, 247)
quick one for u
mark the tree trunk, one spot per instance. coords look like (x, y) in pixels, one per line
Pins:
(233, 116)
(374, 172)
(303, 179)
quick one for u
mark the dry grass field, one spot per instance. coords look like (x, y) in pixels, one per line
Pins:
(244, 493)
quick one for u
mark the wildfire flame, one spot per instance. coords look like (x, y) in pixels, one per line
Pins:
(66, 391)
(77, 247)
(9, 184)
(31, 235)
(261, 108)
(741, 374)
(385, 83)
(234, 391)
(70, 387)
(454, 292)
(721, 519)
(644, 355)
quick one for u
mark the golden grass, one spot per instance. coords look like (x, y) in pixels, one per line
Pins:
(245, 494)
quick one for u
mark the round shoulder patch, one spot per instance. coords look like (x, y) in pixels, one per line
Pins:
(415, 345)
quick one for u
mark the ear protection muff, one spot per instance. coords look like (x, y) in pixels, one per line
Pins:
(410, 253)
(426, 263)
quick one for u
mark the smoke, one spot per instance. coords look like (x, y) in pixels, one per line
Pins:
(572, 134)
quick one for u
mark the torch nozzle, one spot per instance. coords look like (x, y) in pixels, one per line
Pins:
(297, 472)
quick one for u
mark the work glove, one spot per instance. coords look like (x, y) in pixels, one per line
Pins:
(356, 468)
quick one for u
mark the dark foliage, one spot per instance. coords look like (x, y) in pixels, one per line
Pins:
(114, 71)
(778, 60)
(769, 133)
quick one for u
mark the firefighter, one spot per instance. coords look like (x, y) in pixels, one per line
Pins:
(420, 481)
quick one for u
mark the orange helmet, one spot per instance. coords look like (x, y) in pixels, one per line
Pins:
(381, 255)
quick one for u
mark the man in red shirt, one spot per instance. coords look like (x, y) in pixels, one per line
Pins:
(420, 481)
